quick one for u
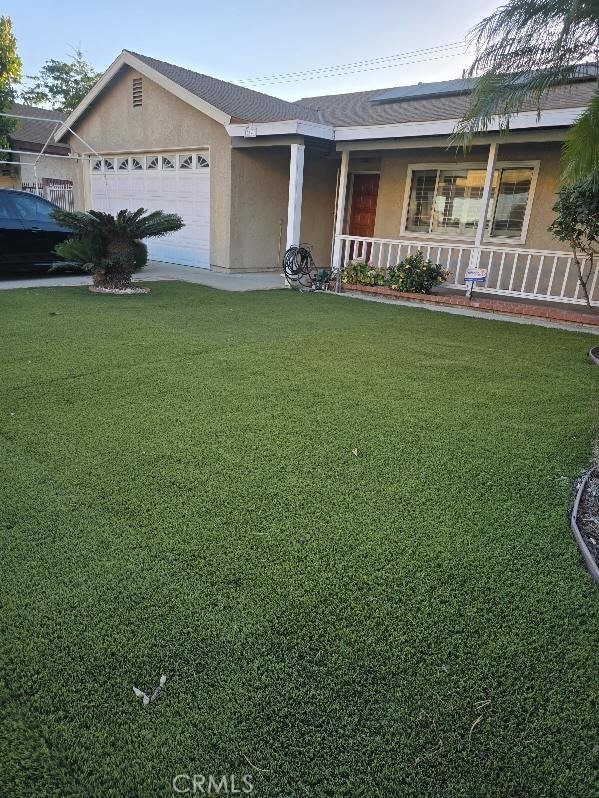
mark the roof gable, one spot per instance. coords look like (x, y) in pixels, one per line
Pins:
(240, 103)
(216, 98)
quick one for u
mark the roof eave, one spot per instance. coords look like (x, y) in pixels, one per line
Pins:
(284, 127)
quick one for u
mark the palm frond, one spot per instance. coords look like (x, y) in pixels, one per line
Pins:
(581, 148)
(523, 50)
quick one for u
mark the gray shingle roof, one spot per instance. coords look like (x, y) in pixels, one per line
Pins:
(238, 102)
(34, 131)
(422, 102)
(359, 109)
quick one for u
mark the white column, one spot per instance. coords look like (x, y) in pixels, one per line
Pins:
(484, 210)
(296, 182)
(340, 209)
(486, 198)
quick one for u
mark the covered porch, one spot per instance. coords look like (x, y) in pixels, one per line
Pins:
(483, 213)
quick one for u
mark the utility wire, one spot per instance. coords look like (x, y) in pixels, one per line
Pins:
(365, 62)
(398, 59)
(370, 69)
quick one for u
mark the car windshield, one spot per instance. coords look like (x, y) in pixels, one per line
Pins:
(8, 209)
(33, 208)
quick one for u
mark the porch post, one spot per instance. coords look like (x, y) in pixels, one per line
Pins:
(294, 208)
(340, 211)
(484, 209)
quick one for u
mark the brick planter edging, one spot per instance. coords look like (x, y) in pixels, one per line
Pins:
(494, 305)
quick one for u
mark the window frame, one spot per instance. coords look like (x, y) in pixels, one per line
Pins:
(448, 166)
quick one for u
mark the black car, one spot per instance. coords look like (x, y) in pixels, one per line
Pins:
(28, 233)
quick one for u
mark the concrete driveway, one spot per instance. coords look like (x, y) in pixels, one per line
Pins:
(253, 281)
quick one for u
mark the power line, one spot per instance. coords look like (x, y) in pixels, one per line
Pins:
(371, 69)
(365, 62)
(385, 62)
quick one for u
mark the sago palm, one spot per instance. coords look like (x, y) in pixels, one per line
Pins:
(111, 240)
(524, 49)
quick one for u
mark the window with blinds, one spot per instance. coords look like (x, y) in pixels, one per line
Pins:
(447, 202)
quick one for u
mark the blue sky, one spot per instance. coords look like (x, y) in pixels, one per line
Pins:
(237, 40)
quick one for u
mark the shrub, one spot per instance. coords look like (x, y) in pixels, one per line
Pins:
(81, 252)
(109, 246)
(577, 222)
(360, 272)
(416, 275)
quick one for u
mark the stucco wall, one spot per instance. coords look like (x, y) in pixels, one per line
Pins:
(394, 166)
(259, 196)
(63, 169)
(163, 122)
(318, 204)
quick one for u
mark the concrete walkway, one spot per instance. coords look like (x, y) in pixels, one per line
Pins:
(253, 281)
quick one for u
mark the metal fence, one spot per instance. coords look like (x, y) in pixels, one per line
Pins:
(60, 192)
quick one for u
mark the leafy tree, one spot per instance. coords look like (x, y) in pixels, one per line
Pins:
(111, 243)
(525, 48)
(10, 73)
(61, 85)
(577, 223)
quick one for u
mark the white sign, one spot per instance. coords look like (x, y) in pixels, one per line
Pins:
(250, 132)
(475, 275)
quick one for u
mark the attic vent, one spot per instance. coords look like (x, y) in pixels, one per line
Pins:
(137, 92)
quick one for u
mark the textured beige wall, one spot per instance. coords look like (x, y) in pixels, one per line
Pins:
(162, 122)
(63, 169)
(9, 182)
(259, 195)
(394, 166)
(318, 204)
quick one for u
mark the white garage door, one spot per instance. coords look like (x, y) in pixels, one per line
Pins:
(172, 183)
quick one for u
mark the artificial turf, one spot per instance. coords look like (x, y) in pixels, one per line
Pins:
(179, 496)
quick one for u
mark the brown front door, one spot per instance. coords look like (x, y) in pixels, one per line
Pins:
(363, 205)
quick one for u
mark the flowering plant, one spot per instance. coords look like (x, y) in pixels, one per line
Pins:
(416, 275)
(361, 272)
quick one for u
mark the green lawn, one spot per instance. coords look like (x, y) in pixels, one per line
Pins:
(178, 495)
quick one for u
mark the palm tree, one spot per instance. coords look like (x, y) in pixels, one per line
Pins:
(525, 48)
(112, 241)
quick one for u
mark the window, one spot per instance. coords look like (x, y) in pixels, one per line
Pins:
(7, 207)
(123, 163)
(447, 202)
(136, 164)
(109, 164)
(202, 162)
(137, 88)
(152, 162)
(511, 201)
(186, 162)
(33, 209)
(97, 165)
(168, 162)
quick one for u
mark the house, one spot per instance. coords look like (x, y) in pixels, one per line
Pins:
(38, 163)
(367, 174)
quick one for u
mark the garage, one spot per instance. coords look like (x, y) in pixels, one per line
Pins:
(175, 183)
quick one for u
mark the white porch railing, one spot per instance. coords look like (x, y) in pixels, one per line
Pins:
(527, 273)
